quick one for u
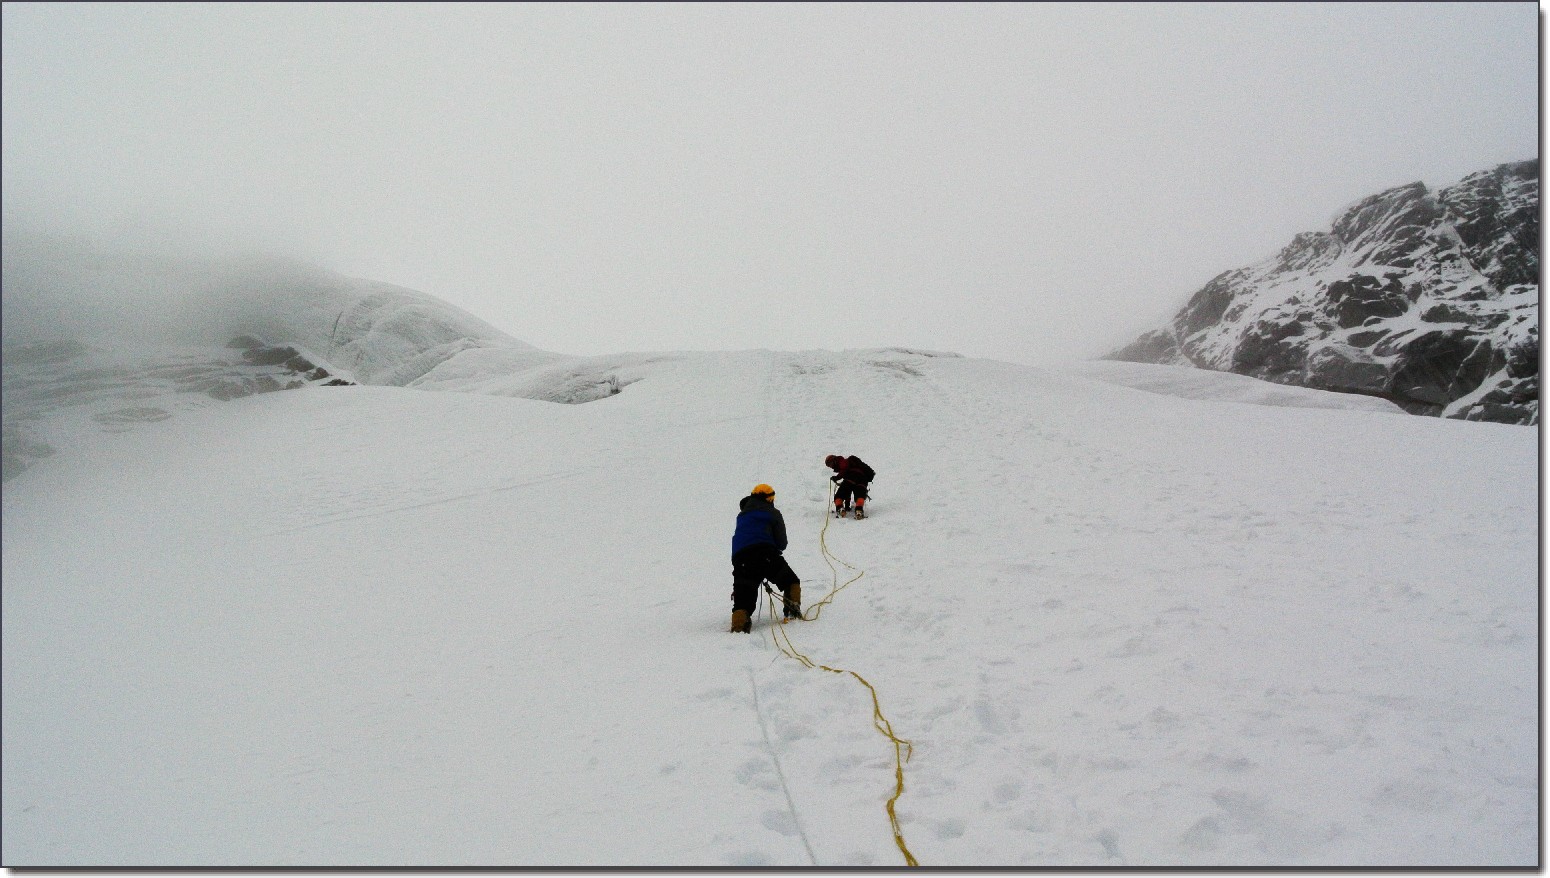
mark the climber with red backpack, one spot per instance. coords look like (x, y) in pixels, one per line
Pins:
(852, 475)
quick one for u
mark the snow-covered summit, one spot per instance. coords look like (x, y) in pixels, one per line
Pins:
(377, 333)
(117, 338)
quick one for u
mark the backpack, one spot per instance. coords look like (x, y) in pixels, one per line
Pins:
(857, 470)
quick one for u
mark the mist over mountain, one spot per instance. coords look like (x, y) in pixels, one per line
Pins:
(1426, 298)
(106, 337)
(118, 338)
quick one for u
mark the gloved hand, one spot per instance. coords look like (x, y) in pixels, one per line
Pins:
(834, 479)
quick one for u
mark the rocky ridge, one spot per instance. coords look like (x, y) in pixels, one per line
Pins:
(1427, 299)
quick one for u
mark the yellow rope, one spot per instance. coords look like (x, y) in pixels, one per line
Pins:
(902, 749)
(829, 558)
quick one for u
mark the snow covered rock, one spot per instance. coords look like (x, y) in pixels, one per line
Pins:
(1428, 299)
(73, 291)
(377, 333)
(111, 340)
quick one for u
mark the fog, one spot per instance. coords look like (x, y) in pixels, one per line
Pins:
(1027, 182)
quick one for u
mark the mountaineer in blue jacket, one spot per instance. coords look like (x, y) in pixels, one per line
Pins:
(756, 546)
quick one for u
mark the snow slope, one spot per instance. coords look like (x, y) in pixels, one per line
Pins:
(375, 333)
(373, 626)
(1187, 382)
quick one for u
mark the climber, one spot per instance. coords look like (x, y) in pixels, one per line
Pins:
(757, 542)
(852, 475)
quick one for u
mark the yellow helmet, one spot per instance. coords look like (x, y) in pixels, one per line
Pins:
(764, 490)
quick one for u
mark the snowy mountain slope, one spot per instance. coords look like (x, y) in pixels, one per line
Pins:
(375, 626)
(94, 332)
(52, 390)
(1429, 299)
(380, 333)
(1189, 383)
(95, 336)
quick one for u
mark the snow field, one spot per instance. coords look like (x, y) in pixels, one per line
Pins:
(377, 626)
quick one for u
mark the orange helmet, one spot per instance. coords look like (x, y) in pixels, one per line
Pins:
(763, 491)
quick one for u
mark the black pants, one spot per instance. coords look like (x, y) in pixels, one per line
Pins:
(754, 565)
(846, 489)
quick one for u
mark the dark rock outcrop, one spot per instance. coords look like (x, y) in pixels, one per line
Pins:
(1429, 299)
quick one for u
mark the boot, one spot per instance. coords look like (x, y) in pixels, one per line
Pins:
(741, 624)
(860, 511)
(793, 608)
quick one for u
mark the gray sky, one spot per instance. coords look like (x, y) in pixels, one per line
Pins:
(1032, 183)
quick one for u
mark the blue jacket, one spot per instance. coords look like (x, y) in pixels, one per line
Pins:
(759, 522)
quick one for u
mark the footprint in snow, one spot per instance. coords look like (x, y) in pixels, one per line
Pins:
(1110, 843)
(757, 773)
(949, 829)
(780, 821)
(1203, 836)
(992, 720)
(795, 732)
(1409, 795)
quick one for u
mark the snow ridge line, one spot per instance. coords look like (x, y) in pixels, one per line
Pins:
(779, 773)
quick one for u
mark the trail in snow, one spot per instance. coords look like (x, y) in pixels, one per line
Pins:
(796, 818)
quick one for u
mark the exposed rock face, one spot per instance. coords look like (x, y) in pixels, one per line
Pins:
(1428, 299)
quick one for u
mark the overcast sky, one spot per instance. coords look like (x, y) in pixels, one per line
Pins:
(1032, 183)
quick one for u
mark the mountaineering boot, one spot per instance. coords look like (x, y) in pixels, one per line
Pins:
(860, 512)
(793, 607)
(741, 624)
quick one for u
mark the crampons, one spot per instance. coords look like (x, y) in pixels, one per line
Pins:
(792, 605)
